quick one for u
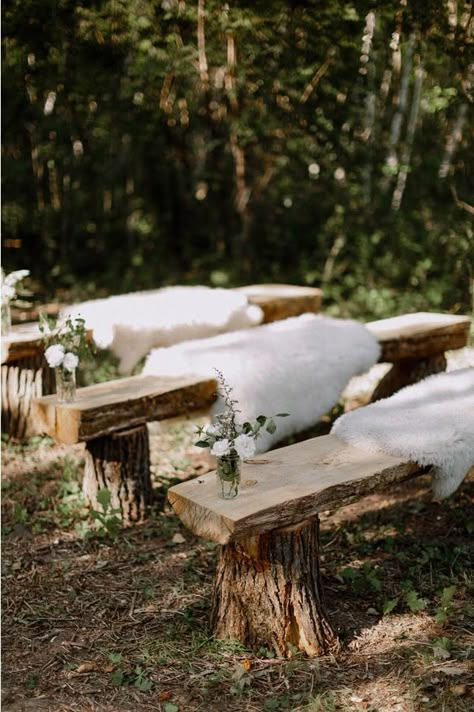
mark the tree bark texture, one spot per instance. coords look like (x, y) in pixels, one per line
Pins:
(408, 371)
(23, 380)
(121, 463)
(268, 592)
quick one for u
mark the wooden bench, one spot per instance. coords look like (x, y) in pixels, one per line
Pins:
(111, 419)
(280, 301)
(416, 345)
(23, 378)
(267, 590)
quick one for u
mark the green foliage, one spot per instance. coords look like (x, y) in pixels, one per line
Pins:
(31, 681)
(125, 674)
(362, 580)
(414, 602)
(109, 520)
(445, 604)
(124, 159)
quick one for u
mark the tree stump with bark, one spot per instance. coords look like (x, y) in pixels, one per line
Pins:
(111, 419)
(268, 590)
(120, 462)
(406, 372)
(24, 377)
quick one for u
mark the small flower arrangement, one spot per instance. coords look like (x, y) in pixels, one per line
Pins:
(9, 283)
(231, 441)
(66, 342)
(66, 345)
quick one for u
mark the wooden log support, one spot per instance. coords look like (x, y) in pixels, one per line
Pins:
(280, 301)
(416, 344)
(408, 371)
(121, 463)
(25, 376)
(21, 382)
(111, 419)
(268, 592)
(268, 589)
(22, 378)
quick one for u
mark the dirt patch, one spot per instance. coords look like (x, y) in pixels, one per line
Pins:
(94, 623)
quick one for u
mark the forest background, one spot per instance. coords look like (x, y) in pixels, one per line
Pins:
(326, 143)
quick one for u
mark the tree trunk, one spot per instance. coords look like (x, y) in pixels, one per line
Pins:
(268, 592)
(121, 463)
(22, 380)
(408, 371)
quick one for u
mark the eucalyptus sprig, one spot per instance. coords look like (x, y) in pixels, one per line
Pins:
(227, 436)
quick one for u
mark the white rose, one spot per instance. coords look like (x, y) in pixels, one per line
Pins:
(70, 361)
(221, 447)
(245, 446)
(54, 355)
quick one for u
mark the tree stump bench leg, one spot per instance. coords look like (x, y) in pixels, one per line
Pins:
(408, 371)
(268, 592)
(121, 463)
(22, 380)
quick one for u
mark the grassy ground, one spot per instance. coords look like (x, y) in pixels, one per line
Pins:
(117, 620)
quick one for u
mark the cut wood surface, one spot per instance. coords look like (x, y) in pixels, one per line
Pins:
(106, 407)
(22, 341)
(280, 301)
(286, 486)
(419, 335)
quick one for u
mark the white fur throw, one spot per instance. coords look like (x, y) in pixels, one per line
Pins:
(431, 423)
(132, 324)
(297, 366)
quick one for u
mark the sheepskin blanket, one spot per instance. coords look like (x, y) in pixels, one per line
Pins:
(430, 422)
(297, 366)
(132, 324)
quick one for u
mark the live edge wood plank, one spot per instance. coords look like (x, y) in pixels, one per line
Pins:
(22, 341)
(419, 335)
(107, 407)
(286, 486)
(281, 301)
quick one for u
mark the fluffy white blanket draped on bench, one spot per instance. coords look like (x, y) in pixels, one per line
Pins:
(298, 366)
(132, 324)
(431, 423)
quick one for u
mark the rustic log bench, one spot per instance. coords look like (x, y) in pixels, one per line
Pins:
(23, 378)
(416, 345)
(111, 419)
(267, 590)
(280, 301)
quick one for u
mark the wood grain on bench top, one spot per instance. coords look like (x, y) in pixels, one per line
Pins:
(106, 407)
(22, 340)
(420, 335)
(280, 301)
(286, 486)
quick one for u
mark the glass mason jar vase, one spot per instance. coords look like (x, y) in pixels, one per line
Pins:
(228, 475)
(6, 317)
(65, 384)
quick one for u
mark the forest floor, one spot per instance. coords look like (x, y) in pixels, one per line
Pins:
(117, 620)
